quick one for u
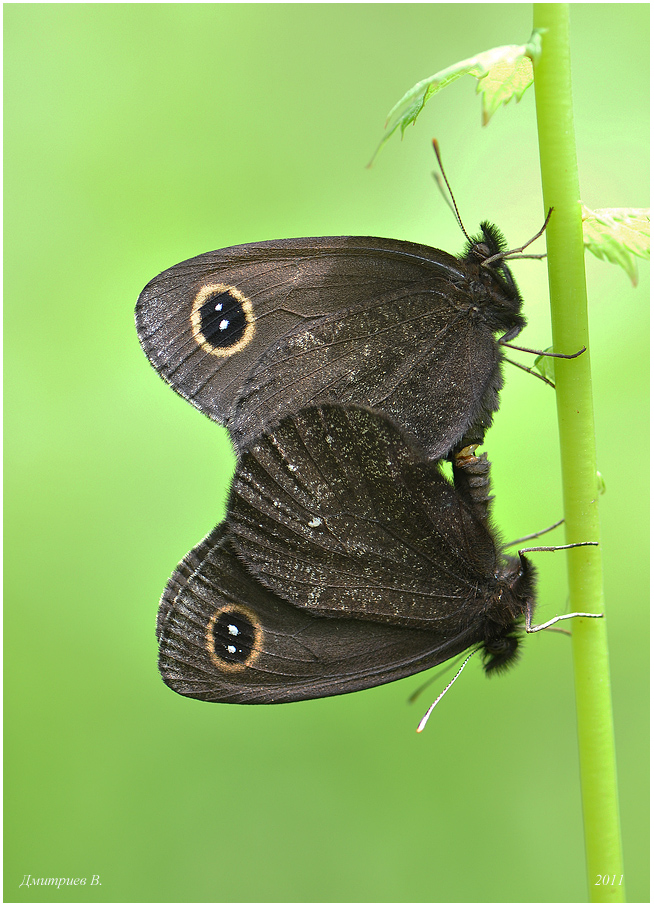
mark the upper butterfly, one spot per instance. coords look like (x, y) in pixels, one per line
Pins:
(250, 333)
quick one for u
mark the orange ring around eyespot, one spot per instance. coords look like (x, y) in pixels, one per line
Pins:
(256, 642)
(196, 326)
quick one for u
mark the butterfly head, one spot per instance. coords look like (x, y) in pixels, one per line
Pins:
(504, 620)
(486, 251)
(490, 244)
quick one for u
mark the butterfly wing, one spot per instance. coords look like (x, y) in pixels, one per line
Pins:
(223, 637)
(336, 513)
(414, 354)
(249, 333)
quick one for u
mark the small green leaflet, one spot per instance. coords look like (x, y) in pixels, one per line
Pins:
(506, 79)
(502, 73)
(616, 235)
(544, 365)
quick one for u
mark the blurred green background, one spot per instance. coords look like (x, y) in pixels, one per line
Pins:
(138, 135)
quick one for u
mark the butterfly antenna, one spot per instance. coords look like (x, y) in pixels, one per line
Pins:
(423, 686)
(441, 189)
(431, 708)
(449, 189)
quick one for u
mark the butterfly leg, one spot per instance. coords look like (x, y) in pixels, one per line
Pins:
(531, 629)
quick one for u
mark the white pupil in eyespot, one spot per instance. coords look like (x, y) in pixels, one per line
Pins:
(231, 650)
(232, 629)
(224, 324)
(219, 307)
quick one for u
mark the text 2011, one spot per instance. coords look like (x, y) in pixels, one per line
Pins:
(608, 880)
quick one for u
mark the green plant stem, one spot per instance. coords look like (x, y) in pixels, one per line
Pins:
(567, 281)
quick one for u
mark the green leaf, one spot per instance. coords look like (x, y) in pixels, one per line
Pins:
(616, 235)
(505, 80)
(544, 364)
(502, 73)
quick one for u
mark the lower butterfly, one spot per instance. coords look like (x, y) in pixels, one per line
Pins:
(347, 560)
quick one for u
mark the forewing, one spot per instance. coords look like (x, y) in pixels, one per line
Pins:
(252, 332)
(281, 653)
